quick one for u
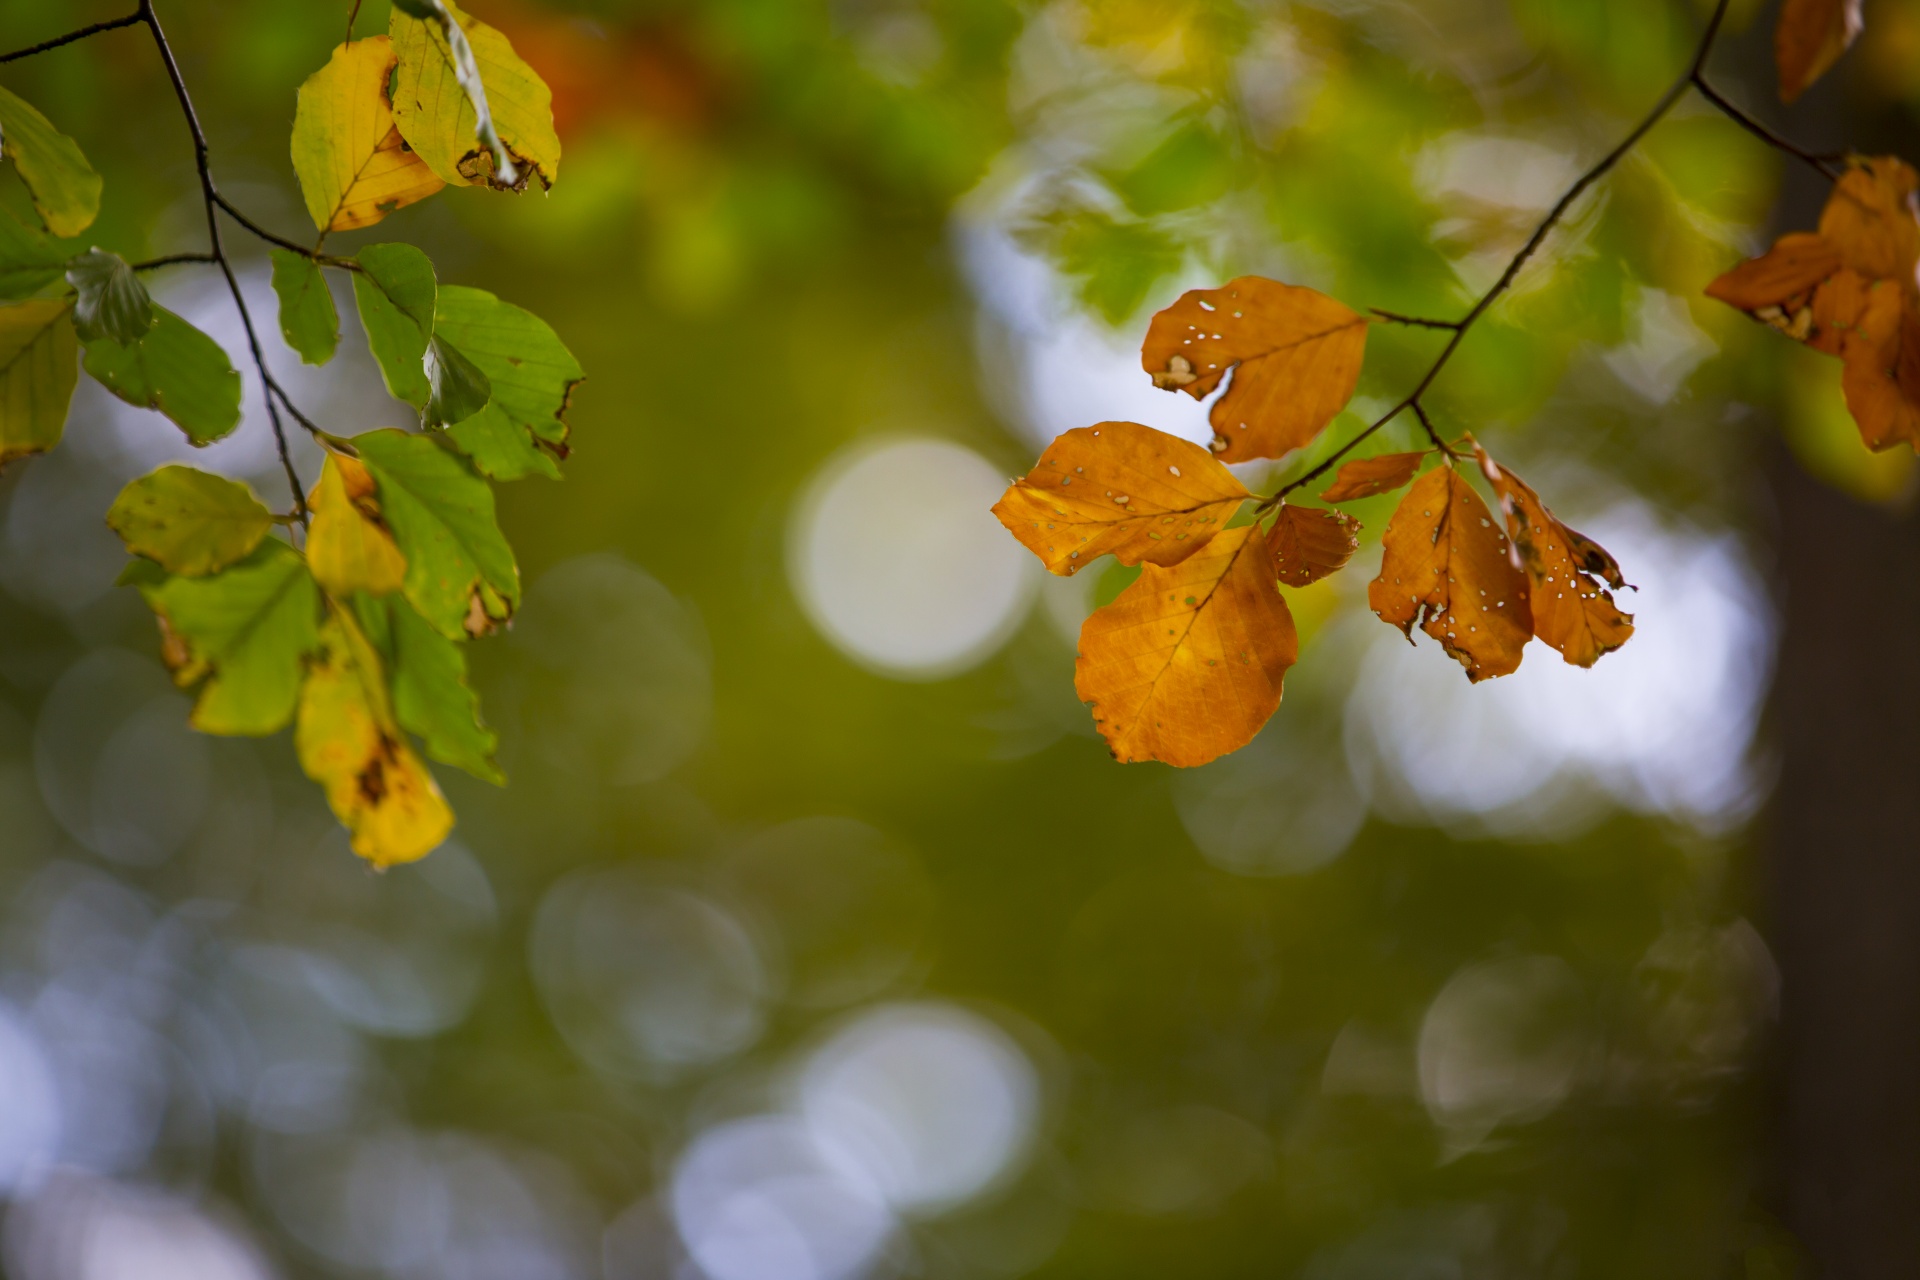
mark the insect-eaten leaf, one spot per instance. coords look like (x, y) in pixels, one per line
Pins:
(241, 635)
(1370, 477)
(1850, 291)
(37, 375)
(176, 369)
(350, 743)
(1188, 662)
(1308, 543)
(187, 521)
(64, 187)
(353, 165)
(460, 571)
(532, 376)
(473, 110)
(1446, 568)
(309, 321)
(29, 261)
(1811, 36)
(1123, 489)
(431, 697)
(1295, 355)
(1571, 611)
(394, 291)
(349, 548)
(109, 300)
(459, 388)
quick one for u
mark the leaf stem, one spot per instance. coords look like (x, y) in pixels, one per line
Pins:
(1690, 78)
(1761, 131)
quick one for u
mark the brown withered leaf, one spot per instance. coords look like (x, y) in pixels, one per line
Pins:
(1446, 568)
(1308, 543)
(1870, 218)
(1777, 288)
(1571, 612)
(1295, 355)
(1366, 477)
(1187, 663)
(1881, 378)
(1123, 489)
(1810, 38)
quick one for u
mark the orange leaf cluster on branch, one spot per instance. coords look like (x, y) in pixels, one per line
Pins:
(1188, 662)
(1850, 290)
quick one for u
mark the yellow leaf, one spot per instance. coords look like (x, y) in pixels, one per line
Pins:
(1570, 611)
(1122, 488)
(437, 116)
(1309, 543)
(1295, 355)
(39, 357)
(349, 742)
(1187, 663)
(1446, 568)
(1810, 38)
(348, 547)
(353, 165)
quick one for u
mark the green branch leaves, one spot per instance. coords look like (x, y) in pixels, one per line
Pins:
(64, 187)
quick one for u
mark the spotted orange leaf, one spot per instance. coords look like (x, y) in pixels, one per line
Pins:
(1446, 569)
(1187, 663)
(1571, 611)
(1295, 355)
(1366, 477)
(1123, 489)
(1810, 38)
(1308, 543)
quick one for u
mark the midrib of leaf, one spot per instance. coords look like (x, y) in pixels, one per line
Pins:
(1193, 616)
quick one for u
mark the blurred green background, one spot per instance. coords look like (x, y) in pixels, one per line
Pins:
(815, 935)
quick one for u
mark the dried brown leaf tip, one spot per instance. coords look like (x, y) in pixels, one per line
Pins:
(1446, 569)
(1294, 353)
(1309, 543)
(1571, 611)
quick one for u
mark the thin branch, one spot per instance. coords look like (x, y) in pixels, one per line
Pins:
(1761, 131)
(1689, 78)
(172, 259)
(291, 246)
(71, 36)
(1426, 424)
(286, 401)
(1421, 322)
(211, 199)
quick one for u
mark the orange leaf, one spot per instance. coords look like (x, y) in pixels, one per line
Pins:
(1810, 38)
(1308, 543)
(1446, 568)
(1187, 663)
(1789, 270)
(1122, 488)
(1365, 477)
(1882, 375)
(1295, 355)
(1571, 611)
(1870, 218)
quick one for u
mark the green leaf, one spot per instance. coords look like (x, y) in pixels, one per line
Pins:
(176, 369)
(191, 522)
(460, 390)
(532, 372)
(110, 301)
(37, 375)
(430, 693)
(64, 187)
(29, 261)
(394, 290)
(460, 570)
(467, 103)
(501, 447)
(308, 320)
(243, 636)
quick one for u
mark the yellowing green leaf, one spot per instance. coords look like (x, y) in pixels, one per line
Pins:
(191, 522)
(109, 300)
(348, 548)
(242, 635)
(37, 376)
(394, 290)
(64, 187)
(440, 110)
(28, 260)
(430, 693)
(531, 372)
(460, 571)
(353, 165)
(308, 319)
(176, 369)
(350, 743)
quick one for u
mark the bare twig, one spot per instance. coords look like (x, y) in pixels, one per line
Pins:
(1761, 131)
(172, 259)
(1421, 322)
(131, 19)
(1687, 79)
